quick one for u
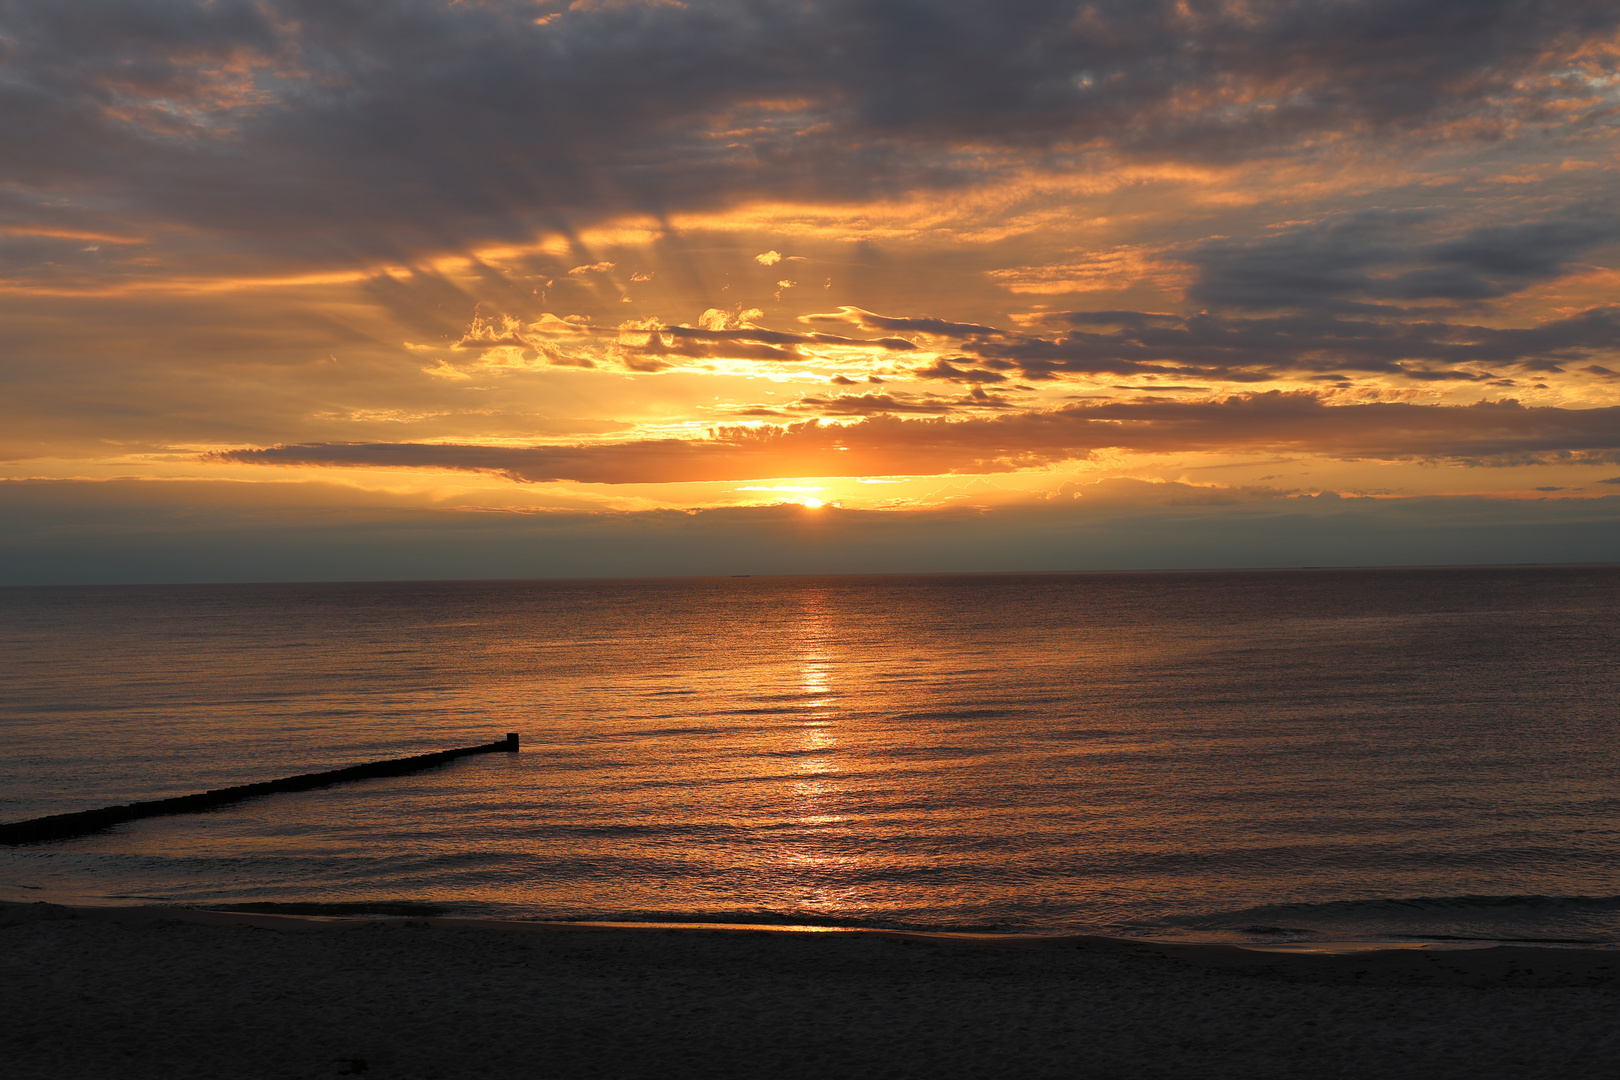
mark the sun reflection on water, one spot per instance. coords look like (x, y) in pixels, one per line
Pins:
(816, 794)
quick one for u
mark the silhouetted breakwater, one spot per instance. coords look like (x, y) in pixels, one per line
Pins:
(63, 826)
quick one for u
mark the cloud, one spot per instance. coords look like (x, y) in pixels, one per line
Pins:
(411, 125)
(868, 320)
(1488, 433)
(644, 344)
(871, 404)
(1199, 346)
(1257, 348)
(944, 369)
(1353, 260)
(1100, 271)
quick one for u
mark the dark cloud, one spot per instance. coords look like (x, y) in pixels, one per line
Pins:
(1486, 433)
(1255, 349)
(1353, 261)
(1159, 389)
(1309, 266)
(944, 369)
(1498, 260)
(345, 127)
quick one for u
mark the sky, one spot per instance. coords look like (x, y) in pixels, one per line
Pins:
(298, 290)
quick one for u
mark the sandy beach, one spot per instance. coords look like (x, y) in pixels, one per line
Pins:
(162, 992)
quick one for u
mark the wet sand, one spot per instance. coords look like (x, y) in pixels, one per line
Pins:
(161, 992)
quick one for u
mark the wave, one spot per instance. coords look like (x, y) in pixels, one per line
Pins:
(1472, 917)
(737, 917)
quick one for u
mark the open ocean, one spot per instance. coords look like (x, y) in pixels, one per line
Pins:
(1283, 755)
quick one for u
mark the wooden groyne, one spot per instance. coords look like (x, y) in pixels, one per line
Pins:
(63, 826)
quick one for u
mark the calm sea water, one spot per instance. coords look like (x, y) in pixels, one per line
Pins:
(1266, 755)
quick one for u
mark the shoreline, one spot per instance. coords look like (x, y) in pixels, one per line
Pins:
(1436, 963)
(321, 913)
(174, 993)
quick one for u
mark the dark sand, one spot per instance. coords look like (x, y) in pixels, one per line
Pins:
(150, 992)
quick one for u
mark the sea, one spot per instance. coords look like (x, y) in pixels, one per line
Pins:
(1259, 756)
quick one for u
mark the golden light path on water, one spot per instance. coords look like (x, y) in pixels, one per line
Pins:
(815, 756)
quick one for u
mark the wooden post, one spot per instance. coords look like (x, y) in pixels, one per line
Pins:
(512, 741)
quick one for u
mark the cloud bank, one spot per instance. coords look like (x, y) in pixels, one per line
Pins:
(1488, 433)
(154, 532)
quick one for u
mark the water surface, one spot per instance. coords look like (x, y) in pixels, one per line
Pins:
(1255, 755)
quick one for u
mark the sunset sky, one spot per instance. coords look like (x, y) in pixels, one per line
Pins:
(305, 290)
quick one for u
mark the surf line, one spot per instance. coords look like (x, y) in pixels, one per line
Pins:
(83, 822)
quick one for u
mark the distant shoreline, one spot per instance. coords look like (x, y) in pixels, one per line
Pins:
(768, 576)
